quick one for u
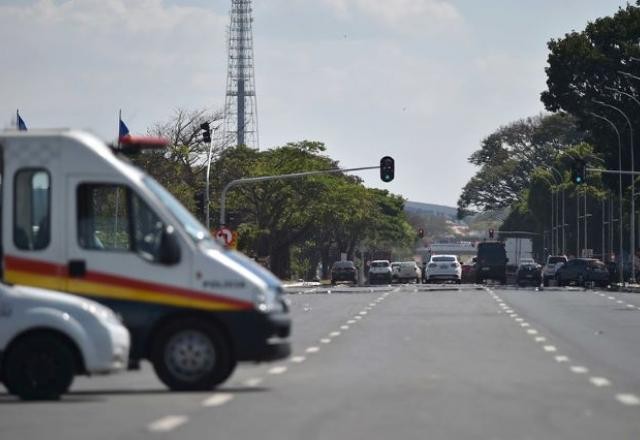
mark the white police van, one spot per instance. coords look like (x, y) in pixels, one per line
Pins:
(47, 337)
(86, 221)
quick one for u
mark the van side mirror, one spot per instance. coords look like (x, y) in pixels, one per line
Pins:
(169, 253)
(474, 260)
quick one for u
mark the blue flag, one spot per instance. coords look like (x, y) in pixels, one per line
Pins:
(20, 123)
(124, 130)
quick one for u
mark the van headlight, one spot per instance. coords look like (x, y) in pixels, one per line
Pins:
(269, 300)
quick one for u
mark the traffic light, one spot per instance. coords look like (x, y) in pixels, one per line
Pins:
(421, 233)
(578, 172)
(387, 168)
(199, 199)
(206, 132)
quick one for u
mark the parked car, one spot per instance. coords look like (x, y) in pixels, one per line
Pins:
(553, 263)
(581, 271)
(380, 271)
(405, 271)
(491, 262)
(443, 268)
(468, 272)
(48, 337)
(344, 271)
(529, 272)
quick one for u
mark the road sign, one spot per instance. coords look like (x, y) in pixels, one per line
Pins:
(225, 235)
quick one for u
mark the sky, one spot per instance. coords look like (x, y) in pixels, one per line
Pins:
(423, 81)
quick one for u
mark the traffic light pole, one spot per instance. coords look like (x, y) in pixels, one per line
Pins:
(248, 180)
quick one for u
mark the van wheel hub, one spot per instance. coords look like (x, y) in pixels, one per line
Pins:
(190, 354)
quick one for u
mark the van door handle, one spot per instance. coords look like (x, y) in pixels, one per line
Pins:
(77, 268)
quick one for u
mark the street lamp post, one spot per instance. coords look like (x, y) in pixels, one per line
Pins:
(621, 275)
(633, 191)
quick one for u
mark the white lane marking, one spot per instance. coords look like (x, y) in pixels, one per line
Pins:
(600, 381)
(168, 423)
(344, 327)
(532, 331)
(298, 359)
(351, 321)
(325, 340)
(540, 339)
(358, 317)
(519, 319)
(631, 306)
(372, 304)
(334, 334)
(252, 382)
(620, 302)
(610, 297)
(549, 348)
(579, 369)
(312, 349)
(363, 313)
(278, 370)
(524, 324)
(562, 359)
(217, 399)
(628, 399)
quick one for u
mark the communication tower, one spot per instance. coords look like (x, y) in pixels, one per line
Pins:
(241, 108)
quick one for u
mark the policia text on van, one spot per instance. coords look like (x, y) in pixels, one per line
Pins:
(79, 219)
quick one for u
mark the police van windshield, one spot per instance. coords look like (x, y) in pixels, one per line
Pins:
(191, 225)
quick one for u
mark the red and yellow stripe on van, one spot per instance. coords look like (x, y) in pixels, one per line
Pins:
(101, 285)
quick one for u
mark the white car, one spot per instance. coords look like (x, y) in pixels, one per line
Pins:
(405, 271)
(380, 270)
(48, 337)
(443, 268)
(554, 262)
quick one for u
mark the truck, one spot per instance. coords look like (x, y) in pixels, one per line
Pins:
(84, 220)
(517, 249)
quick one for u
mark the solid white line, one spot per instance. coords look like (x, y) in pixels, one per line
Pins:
(167, 423)
(578, 369)
(298, 359)
(532, 331)
(325, 340)
(217, 399)
(334, 334)
(278, 370)
(312, 349)
(562, 359)
(628, 399)
(253, 382)
(550, 348)
(600, 381)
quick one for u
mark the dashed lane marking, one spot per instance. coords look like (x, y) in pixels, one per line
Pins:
(217, 399)
(540, 339)
(610, 297)
(363, 313)
(325, 340)
(312, 349)
(600, 381)
(628, 399)
(252, 382)
(351, 321)
(334, 334)
(344, 327)
(579, 369)
(168, 423)
(524, 324)
(278, 370)
(298, 359)
(550, 348)
(562, 359)
(357, 317)
(532, 331)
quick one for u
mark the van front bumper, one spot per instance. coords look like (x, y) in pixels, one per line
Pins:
(260, 337)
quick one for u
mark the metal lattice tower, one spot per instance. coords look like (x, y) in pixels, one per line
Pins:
(241, 107)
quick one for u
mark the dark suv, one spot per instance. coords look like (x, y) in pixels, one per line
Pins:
(581, 271)
(491, 262)
(529, 273)
(344, 271)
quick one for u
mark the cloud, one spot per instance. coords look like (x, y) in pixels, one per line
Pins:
(408, 16)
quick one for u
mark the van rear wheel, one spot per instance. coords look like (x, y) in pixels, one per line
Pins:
(191, 355)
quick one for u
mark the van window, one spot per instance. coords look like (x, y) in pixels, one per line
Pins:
(147, 229)
(32, 213)
(103, 217)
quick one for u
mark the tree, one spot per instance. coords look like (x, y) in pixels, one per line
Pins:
(507, 157)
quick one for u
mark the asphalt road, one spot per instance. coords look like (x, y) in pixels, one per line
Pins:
(404, 362)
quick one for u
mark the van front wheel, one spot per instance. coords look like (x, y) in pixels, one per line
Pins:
(191, 355)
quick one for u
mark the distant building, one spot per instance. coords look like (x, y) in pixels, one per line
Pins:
(429, 208)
